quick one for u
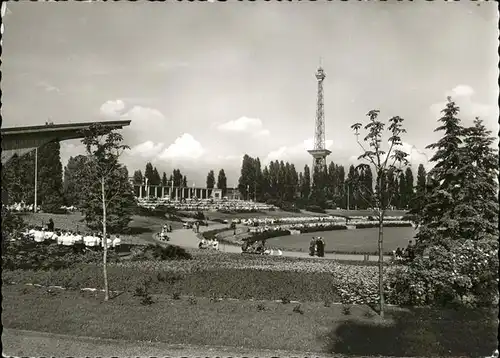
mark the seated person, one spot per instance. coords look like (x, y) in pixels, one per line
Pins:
(39, 235)
(117, 241)
(77, 238)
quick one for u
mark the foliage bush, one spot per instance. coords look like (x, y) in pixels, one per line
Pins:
(465, 275)
(316, 209)
(158, 252)
(374, 225)
(334, 227)
(212, 234)
(261, 236)
(26, 254)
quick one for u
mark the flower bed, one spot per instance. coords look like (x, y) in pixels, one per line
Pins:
(227, 275)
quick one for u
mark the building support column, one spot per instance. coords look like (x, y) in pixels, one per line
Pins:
(140, 191)
(176, 194)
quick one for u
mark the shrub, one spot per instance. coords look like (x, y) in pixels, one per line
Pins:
(285, 300)
(261, 307)
(297, 309)
(465, 275)
(158, 252)
(27, 254)
(316, 209)
(176, 296)
(374, 225)
(330, 227)
(192, 301)
(346, 309)
(268, 235)
(142, 292)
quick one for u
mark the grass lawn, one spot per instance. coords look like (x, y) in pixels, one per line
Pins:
(348, 241)
(142, 228)
(251, 324)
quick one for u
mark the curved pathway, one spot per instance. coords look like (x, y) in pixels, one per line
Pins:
(188, 238)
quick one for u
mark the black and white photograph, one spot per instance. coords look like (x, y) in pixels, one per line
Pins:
(250, 178)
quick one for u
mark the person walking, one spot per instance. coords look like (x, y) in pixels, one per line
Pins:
(320, 244)
(312, 247)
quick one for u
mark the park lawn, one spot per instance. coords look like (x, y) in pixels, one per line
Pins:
(252, 324)
(362, 241)
(142, 228)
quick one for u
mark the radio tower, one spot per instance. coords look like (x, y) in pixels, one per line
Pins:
(319, 153)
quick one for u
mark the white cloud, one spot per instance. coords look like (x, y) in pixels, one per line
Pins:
(245, 125)
(113, 108)
(184, 147)
(147, 149)
(462, 96)
(461, 91)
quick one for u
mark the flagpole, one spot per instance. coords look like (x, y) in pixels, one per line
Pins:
(36, 177)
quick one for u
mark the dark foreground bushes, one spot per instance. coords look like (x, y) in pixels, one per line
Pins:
(26, 254)
(158, 252)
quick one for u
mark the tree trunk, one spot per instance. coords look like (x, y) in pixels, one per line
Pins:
(105, 243)
(381, 263)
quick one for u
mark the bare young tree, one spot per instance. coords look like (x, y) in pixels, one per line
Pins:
(393, 161)
(103, 149)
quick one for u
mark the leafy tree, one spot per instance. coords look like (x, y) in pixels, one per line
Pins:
(155, 179)
(436, 222)
(409, 187)
(73, 187)
(164, 181)
(149, 173)
(383, 162)
(247, 178)
(222, 181)
(138, 179)
(421, 179)
(50, 176)
(184, 181)
(211, 179)
(109, 195)
(177, 178)
(306, 185)
(457, 239)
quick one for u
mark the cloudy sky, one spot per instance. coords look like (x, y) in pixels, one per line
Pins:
(205, 83)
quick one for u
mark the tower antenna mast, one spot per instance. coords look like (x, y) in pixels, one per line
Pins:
(319, 152)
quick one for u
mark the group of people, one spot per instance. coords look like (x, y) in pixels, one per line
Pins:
(259, 247)
(70, 237)
(204, 204)
(404, 254)
(164, 231)
(209, 244)
(317, 247)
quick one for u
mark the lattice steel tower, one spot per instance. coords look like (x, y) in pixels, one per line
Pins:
(319, 153)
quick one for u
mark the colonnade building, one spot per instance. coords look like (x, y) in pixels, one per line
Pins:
(170, 192)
